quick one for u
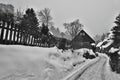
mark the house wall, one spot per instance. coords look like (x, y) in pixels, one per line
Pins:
(78, 45)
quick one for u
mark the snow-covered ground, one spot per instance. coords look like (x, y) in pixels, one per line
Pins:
(37, 63)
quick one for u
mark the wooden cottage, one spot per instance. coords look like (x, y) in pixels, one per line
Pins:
(82, 40)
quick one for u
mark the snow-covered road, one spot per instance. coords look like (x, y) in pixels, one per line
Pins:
(97, 70)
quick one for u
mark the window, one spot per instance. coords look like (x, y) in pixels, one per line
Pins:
(82, 34)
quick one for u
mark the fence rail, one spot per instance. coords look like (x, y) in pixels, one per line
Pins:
(11, 34)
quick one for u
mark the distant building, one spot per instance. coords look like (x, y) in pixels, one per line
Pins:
(82, 40)
(60, 42)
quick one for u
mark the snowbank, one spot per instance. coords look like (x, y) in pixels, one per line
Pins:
(23, 62)
(113, 50)
(26, 62)
(84, 50)
(105, 43)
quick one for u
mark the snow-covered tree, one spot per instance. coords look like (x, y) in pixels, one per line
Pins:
(113, 39)
(116, 29)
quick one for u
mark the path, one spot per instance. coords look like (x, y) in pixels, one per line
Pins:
(98, 70)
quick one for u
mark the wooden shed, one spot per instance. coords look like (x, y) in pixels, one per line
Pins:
(82, 40)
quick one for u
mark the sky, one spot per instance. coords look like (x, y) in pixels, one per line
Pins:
(97, 16)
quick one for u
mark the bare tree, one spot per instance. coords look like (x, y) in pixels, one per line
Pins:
(73, 28)
(45, 17)
(18, 16)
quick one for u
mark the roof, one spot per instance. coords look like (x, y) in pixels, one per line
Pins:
(83, 37)
(59, 36)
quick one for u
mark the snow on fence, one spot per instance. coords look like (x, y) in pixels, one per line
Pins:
(11, 34)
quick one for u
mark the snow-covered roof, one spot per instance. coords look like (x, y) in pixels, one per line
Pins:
(84, 37)
(89, 31)
(51, 32)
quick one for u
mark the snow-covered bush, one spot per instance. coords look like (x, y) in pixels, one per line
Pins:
(86, 53)
(113, 39)
(114, 55)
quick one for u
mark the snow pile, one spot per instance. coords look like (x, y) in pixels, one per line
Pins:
(114, 55)
(107, 42)
(67, 59)
(23, 62)
(82, 51)
(113, 50)
(86, 53)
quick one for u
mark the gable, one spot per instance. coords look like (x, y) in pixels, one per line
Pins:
(83, 37)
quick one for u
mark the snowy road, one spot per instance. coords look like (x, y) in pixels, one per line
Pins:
(98, 70)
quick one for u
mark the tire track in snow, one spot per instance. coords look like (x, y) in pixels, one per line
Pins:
(103, 73)
(94, 72)
(99, 64)
(79, 72)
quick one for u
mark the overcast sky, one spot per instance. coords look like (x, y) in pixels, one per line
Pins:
(97, 16)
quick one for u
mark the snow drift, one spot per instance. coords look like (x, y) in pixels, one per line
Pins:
(24, 63)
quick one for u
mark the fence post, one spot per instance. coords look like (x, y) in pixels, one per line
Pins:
(11, 30)
(18, 33)
(20, 36)
(39, 42)
(35, 41)
(31, 39)
(6, 36)
(15, 30)
(2, 32)
(28, 39)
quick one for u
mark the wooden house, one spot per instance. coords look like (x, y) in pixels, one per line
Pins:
(60, 41)
(82, 40)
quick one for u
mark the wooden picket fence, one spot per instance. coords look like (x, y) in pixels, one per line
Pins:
(11, 34)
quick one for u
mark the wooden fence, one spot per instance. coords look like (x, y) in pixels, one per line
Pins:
(11, 34)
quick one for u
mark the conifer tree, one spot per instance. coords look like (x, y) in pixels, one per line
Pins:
(30, 22)
(116, 29)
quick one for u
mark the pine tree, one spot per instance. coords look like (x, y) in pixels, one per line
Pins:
(116, 29)
(30, 22)
(44, 29)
